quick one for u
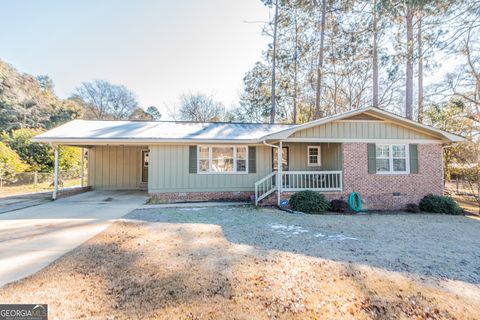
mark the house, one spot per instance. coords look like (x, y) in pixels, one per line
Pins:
(387, 159)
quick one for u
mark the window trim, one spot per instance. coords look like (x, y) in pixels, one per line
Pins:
(319, 156)
(210, 159)
(390, 158)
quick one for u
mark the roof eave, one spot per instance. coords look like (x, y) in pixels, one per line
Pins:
(99, 141)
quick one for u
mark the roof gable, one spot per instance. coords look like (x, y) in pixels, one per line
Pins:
(360, 115)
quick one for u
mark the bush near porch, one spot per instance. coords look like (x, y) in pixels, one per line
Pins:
(309, 202)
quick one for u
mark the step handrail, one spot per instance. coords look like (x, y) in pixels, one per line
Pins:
(262, 187)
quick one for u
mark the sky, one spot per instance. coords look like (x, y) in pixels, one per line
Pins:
(159, 49)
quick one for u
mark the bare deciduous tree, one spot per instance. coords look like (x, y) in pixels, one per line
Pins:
(107, 101)
(200, 107)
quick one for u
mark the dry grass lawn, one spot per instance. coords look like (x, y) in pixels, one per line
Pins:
(138, 270)
(7, 191)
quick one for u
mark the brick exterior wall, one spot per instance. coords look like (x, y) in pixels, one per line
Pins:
(202, 196)
(378, 189)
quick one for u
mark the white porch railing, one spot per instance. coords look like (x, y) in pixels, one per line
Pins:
(312, 180)
(299, 180)
(265, 186)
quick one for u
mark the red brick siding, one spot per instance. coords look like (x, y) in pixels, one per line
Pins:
(378, 189)
(201, 196)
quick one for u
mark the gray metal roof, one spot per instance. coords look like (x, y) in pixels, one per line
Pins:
(86, 130)
(83, 132)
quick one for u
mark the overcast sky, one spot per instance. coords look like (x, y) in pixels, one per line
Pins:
(157, 48)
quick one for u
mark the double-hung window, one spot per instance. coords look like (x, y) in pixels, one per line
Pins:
(314, 156)
(222, 159)
(392, 158)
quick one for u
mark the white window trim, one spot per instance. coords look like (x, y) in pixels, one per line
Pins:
(390, 159)
(234, 159)
(319, 157)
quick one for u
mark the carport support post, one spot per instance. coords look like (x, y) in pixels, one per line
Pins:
(55, 177)
(279, 172)
(82, 165)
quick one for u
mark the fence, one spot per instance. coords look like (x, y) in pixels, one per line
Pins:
(461, 187)
(28, 182)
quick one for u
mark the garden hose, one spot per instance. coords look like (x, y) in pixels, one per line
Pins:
(355, 202)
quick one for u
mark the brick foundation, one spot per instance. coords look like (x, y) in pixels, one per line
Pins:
(378, 189)
(202, 196)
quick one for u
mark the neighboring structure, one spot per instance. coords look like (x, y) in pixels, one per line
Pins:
(389, 160)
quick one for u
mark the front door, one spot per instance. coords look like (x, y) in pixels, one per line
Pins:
(285, 157)
(145, 160)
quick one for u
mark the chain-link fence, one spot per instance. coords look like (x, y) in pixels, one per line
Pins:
(29, 182)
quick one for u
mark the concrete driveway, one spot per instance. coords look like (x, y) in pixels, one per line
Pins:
(31, 238)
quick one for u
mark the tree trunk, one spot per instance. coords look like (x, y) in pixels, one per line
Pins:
(320, 60)
(274, 60)
(295, 71)
(375, 56)
(420, 69)
(409, 71)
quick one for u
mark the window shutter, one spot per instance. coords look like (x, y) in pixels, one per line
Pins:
(413, 152)
(372, 158)
(192, 159)
(252, 159)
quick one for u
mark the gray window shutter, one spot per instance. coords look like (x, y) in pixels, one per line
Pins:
(413, 151)
(192, 159)
(372, 158)
(252, 159)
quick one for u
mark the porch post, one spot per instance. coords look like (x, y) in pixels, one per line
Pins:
(82, 168)
(279, 173)
(55, 178)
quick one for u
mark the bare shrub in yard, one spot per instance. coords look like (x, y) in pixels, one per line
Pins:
(339, 205)
(412, 207)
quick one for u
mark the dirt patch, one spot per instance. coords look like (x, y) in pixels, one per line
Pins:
(191, 271)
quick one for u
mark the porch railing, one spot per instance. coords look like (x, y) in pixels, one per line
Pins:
(265, 186)
(312, 180)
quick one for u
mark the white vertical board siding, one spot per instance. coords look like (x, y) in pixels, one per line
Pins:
(169, 172)
(361, 130)
(115, 167)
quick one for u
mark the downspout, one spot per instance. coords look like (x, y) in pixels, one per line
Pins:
(279, 169)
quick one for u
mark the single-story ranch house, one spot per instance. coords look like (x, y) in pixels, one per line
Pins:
(387, 159)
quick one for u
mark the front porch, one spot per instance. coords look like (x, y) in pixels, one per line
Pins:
(305, 166)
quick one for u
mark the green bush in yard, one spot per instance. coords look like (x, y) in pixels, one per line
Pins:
(309, 202)
(439, 204)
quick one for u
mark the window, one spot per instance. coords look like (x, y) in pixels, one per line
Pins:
(314, 156)
(392, 158)
(222, 159)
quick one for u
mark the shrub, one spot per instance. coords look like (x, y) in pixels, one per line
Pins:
(10, 163)
(412, 207)
(309, 202)
(339, 205)
(439, 204)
